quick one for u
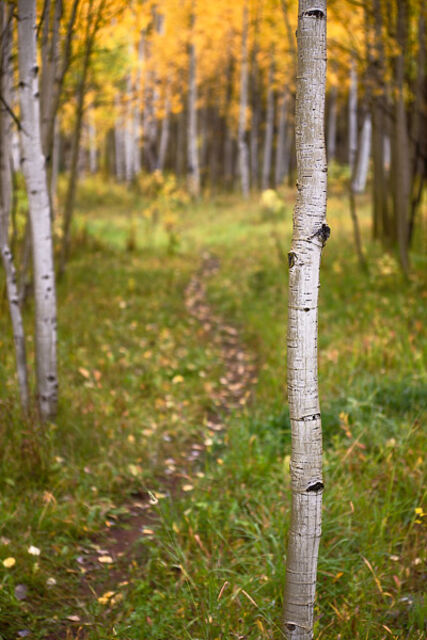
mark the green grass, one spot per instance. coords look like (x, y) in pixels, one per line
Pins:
(124, 337)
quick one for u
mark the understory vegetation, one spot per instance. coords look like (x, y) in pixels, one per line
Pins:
(137, 378)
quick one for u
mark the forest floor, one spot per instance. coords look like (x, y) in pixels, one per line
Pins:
(156, 506)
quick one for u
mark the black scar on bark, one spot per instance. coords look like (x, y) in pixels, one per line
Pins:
(291, 627)
(292, 258)
(314, 13)
(315, 487)
(323, 234)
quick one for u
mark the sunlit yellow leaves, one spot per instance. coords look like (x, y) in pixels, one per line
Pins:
(105, 559)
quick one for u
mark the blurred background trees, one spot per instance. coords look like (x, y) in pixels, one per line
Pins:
(206, 91)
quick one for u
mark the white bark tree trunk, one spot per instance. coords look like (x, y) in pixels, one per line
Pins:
(128, 132)
(310, 233)
(269, 130)
(6, 83)
(119, 153)
(332, 123)
(364, 152)
(93, 155)
(164, 134)
(193, 156)
(34, 169)
(243, 146)
(352, 117)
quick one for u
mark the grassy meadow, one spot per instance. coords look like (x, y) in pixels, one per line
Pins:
(137, 375)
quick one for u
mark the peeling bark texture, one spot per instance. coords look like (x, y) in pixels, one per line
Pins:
(243, 145)
(310, 233)
(193, 157)
(6, 84)
(34, 169)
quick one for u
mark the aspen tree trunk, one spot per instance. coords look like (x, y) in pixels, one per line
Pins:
(128, 133)
(381, 224)
(332, 123)
(269, 130)
(310, 233)
(92, 25)
(6, 83)
(243, 147)
(34, 169)
(255, 115)
(193, 157)
(352, 117)
(119, 154)
(137, 118)
(362, 164)
(180, 143)
(279, 169)
(401, 151)
(164, 134)
(93, 157)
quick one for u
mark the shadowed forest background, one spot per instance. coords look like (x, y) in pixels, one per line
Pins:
(147, 183)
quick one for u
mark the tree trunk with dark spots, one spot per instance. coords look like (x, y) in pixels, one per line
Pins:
(310, 233)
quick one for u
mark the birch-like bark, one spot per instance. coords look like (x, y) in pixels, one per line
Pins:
(332, 123)
(128, 133)
(164, 134)
(119, 155)
(352, 117)
(193, 156)
(34, 169)
(269, 130)
(243, 146)
(364, 151)
(310, 233)
(6, 83)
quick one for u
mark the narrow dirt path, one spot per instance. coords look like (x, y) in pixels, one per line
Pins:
(116, 547)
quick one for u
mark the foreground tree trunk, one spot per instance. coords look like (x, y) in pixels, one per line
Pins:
(34, 169)
(310, 233)
(6, 84)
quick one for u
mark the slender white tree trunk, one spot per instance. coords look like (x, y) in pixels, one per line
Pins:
(364, 152)
(164, 134)
(34, 169)
(193, 156)
(279, 169)
(332, 123)
(6, 83)
(269, 130)
(128, 132)
(310, 233)
(93, 156)
(243, 146)
(352, 117)
(119, 154)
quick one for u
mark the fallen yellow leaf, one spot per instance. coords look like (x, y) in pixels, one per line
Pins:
(9, 562)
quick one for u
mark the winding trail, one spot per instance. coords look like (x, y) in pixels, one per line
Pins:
(118, 542)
